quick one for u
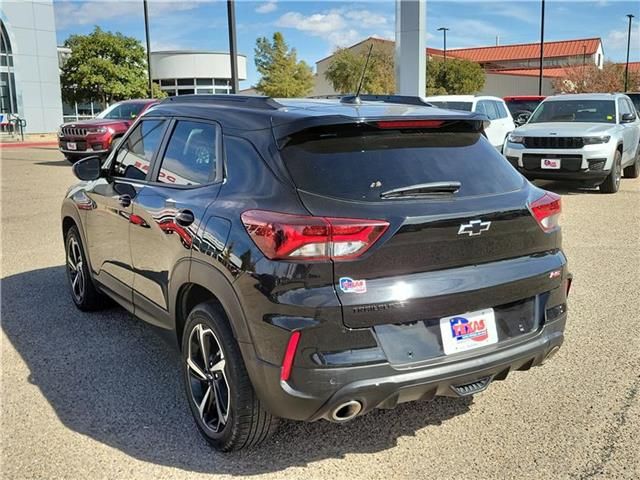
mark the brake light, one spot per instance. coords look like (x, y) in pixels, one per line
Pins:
(289, 355)
(546, 211)
(410, 124)
(281, 236)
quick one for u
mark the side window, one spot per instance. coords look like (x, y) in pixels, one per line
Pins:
(623, 108)
(192, 154)
(133, 158)
(488, 107)
(482, 108)
(501, 109)
(631, 107)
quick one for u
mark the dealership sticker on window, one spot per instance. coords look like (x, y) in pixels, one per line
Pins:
(349, 285)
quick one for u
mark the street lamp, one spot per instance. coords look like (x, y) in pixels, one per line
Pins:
(146, 34)
(626, 67)
(541, 49)
(231, 21)
(444, 30)
(584, 61)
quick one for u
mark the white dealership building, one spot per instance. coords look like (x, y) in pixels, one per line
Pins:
(183, 72)
(29, 76)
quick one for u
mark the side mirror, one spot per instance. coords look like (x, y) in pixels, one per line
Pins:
(88, 168)
(627, 118)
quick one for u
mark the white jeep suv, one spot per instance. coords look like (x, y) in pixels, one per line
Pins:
(591, 138)
(493, 107)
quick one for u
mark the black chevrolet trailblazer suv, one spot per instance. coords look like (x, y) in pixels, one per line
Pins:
(317, 259)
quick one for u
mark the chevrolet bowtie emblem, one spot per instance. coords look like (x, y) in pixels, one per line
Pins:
(474, 227)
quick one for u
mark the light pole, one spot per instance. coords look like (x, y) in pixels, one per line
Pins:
(626, 67)
(541, 49)
(584, 61)
(444, 30)
(231, 19)
(146, 34)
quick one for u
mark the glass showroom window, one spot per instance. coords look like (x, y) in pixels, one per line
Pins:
(8, 103)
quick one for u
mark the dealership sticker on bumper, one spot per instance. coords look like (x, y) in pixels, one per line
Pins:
(72, 146)
(550, 163)
(468, 331)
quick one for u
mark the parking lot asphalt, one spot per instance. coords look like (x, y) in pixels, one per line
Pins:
(100, 395)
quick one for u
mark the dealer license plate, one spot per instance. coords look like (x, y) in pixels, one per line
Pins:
(550, 163)
(468, 331)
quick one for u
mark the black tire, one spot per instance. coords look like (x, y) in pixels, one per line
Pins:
(633, 170)
(235, 419)
(84, 293)
(611, 184)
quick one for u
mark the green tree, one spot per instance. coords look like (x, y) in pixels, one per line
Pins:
(454, 77)
(282, 75)
(347, 65)
(105, 66)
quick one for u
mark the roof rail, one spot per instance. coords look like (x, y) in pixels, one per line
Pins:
(247, 101)
(402, 99)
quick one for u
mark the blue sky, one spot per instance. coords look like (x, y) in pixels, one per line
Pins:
(316, 28)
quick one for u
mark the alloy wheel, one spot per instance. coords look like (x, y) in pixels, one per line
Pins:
(75, 268)
(207, 379)
(618, 168)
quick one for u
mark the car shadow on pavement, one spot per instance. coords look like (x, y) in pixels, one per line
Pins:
(55, 163)
(566, 188)
(114, 379)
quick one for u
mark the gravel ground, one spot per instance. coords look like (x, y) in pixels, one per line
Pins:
(100, 396)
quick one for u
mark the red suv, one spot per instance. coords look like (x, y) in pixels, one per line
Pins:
(96, 136)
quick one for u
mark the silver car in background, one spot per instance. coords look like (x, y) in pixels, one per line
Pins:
(591, 138)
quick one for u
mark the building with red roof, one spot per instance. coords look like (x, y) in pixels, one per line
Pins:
(509, 69)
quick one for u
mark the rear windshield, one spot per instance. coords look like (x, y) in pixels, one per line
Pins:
(590, 111)
(519, 106)
(464, 106)
(359, 164)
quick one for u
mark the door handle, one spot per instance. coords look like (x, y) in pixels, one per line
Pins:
(184, 218)
(125, 200)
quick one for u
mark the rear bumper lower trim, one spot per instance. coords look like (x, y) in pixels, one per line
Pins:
(312, 394)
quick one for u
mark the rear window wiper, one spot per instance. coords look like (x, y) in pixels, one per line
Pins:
(422, 190)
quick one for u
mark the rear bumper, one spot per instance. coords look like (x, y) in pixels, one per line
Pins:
(584, 175)
(313, 394)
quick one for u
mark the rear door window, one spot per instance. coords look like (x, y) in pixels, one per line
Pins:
(356, 163)
(192, 154)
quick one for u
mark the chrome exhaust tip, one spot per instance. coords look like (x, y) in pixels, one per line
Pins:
(346, 411)
(551, 353)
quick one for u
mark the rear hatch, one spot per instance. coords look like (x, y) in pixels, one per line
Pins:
(461, 235)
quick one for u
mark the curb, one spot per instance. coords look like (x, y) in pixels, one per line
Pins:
(28, 144)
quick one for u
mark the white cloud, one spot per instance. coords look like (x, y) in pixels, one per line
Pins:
(315, 24)
(615, 44)
(267, 7)
(340, 27)
(365, 18)
(95, 12)
(516, 12)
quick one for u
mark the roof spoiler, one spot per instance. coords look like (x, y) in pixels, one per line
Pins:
(246, 101)
(401, 99)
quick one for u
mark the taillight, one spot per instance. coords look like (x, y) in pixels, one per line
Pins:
(281, 236)
(546, 211)
(289, 355)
